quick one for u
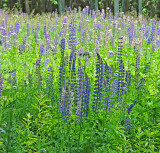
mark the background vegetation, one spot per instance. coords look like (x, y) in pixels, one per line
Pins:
(149, 7)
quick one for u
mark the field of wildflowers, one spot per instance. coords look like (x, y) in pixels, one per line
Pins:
(81, 82)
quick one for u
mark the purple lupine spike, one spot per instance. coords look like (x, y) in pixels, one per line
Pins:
(112, 41)
(73, 74)
(38, 26)
(152, 35)
(6, 17)
(41, 50)
(107, 87)
(72, 36)
(80, 25)
(1, 80)
(22, 48)
(14, 80)
(93, 14)
(121, 83)
(16, 28)
(44, 29)
(62, 48)
(127, 124)
(142, 82)
(28, 30)
(46, 63)
(114, 28)
(64, 30)
(86, 95)
(1, 84)
(98, 83)
(36, 37)
(128, 79)
(72, 45)
(129, 109)
(80, 89)
(33, 30)
(148, 67)
(61, 78)
(121, 75)
(140, 45)
(62, 66)
(38, 73)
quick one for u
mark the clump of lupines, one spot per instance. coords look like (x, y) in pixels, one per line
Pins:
(75, 92)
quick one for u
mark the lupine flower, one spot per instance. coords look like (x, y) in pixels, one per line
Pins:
(33, 30)
(22, 48)
(28, 30)
(44, 30)
(16, 28)
(107, 87)
(36, 37)
(141, 83)
(127, 124)
(62, 66)
(38, 73)
(148, 67)
(14, 80)
(46, 63)
(98, 83)
(129, 108)
(121, 74)
(151, 37)
(1, 84)
(128, 79)
(86, 95)
(121, 83)
(41, 50)
(80, 85)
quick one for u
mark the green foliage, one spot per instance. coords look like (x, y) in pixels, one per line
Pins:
(54, 2)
